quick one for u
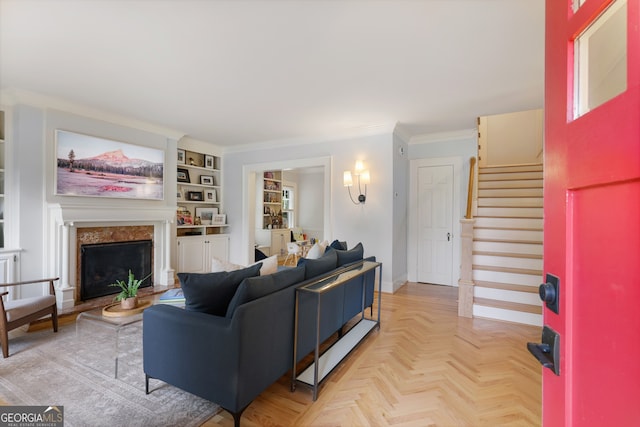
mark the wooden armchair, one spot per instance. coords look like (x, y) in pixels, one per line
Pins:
(22, 311)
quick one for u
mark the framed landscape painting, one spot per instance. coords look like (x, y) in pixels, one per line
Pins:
(98, 167)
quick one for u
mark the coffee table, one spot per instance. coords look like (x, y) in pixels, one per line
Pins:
(104, 339)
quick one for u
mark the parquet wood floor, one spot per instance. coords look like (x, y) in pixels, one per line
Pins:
(425, 367)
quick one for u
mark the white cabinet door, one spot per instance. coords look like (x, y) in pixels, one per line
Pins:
(279, 240)
(8, 274)
(218, 247)
(191, 255)
(195, 252)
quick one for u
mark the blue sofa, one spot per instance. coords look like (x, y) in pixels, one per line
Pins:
(229, 356)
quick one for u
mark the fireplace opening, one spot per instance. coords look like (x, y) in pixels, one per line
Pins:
(104, 263)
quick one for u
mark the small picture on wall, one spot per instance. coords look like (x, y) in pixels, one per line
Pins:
(206, 180)
(206, 215)
(181, 156)
(210, 196)
(195, 196)
(183, 175)
(219, 219)
(209, 162)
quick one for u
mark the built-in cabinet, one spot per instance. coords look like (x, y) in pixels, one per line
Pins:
(195, 252)
(200, 220)
(279, 240)
(271, 185)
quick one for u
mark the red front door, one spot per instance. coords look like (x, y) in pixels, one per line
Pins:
(592, 223)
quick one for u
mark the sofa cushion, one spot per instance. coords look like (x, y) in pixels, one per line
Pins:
(269, 265)
(316, 267)
(347, 257)
(253, 288)
(211, 292)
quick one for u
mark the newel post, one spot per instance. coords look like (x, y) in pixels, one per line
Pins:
(465, 284)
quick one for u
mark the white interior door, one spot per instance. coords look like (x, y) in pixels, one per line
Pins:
(435, 224)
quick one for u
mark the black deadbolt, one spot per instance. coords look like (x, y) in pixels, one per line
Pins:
(550, 292)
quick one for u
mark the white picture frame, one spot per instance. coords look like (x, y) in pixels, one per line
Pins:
(210, 196)
(219, 219)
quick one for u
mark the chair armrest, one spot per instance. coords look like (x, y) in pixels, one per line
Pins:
(29, 282)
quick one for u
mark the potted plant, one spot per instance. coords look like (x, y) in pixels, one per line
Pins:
(128, 295)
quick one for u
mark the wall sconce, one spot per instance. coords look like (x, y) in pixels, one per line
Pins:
(363, 179)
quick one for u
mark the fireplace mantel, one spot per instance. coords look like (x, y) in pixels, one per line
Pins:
(67, 214)
(63, 221)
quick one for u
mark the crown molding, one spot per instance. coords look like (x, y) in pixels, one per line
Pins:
(457, 135)
(13, 96)
(363, 131)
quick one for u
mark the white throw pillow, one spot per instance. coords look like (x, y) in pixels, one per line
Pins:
(269, 265)
(317, 250)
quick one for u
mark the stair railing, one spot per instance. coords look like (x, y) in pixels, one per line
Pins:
(472, 174)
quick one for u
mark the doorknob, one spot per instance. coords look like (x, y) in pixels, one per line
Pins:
(448, 237)
(548, 351)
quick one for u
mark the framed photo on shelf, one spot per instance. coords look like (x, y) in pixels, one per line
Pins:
(182, 156)
(210, 196)
(183, 175)
(219, 219)
(206, 180)
(195, 196)
(179, 195)
(209, 162)
(206, 215)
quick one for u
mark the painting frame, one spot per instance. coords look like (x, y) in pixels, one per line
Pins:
(181, 158)
(209, 161)
(207, 180)
(219, 219)
(183, 175)
(210, 196)
(96, 166)
(195, 196)
(206, 215)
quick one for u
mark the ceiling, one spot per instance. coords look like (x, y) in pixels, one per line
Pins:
(245, 72)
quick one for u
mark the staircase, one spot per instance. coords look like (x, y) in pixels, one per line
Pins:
(507, 244)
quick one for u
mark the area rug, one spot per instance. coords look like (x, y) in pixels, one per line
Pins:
(73, 371)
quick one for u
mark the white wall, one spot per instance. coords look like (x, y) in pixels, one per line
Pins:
(310, 201)
(371, 223)
(511, 139)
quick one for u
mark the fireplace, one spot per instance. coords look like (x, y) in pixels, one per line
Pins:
(104, 263)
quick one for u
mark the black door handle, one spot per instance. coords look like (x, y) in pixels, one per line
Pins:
(548, 351)
(550, 292)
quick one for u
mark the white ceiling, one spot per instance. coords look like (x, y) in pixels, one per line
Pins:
(242, 72)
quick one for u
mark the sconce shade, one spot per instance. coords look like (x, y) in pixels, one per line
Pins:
(359, 167)
(365, 178)
(347, 180)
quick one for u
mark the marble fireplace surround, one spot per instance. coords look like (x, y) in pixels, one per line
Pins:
(70, 226)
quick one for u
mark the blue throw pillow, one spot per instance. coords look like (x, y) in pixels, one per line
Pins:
(316, 267)
(211, 292)
(352, 255)
(256, 287)
(338, 245)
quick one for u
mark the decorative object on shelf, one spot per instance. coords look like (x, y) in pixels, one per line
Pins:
(363, 179)
(210, 196)
(179, 195)
(206, 180)
(197, 220)
(183, 175)
(195, 196)
(183, 216)
(209, 162)
(128, 295)
(219, 219)
(206, 215)
(181, 156)
(107, 168)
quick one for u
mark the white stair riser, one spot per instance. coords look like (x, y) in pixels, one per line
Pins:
(513, 168)
(510, 192)
(509, 262)
(509, 176)
(509, 278)
(507, 315)
(506, 234)
(518, 248)
(512, 212)
(504, 295)
(534, 223)
(516, 183)
(529, 202)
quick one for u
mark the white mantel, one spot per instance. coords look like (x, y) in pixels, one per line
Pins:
(63, 221)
